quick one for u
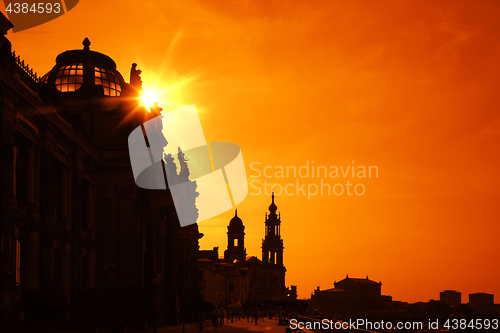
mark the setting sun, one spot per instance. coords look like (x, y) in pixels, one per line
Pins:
(407, 88)
(149, 98)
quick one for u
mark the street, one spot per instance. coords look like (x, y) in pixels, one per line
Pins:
(238, 326)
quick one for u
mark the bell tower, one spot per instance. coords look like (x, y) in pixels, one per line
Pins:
(235, 240)
(272, 245)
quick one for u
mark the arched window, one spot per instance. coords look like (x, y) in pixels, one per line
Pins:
(69, 78)
(21, 268)
(108, 81)
(18, 263)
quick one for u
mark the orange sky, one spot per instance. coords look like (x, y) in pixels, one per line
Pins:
(408, 86)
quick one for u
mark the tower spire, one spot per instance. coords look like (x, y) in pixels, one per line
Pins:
(273, 208)
(272, 246)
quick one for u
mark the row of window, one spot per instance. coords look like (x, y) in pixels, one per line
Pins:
(220, 286)
(272, 257)
(273, 230)
(70, 78)
(59, 267)
(26, 180)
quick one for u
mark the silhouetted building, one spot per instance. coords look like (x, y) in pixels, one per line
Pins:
(237, 277)
(330, 302)
(267, 277)
(76, 231)
(451, 297)
(221, 282)
(349, 297)
(481, 300)
(236, 251)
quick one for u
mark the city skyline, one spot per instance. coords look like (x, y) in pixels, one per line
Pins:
(337, 277)
(407, 87)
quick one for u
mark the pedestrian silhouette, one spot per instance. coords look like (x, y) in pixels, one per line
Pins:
(215, 320)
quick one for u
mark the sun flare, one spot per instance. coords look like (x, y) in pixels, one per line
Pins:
(148, 98)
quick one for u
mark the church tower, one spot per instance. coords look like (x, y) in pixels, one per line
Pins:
(235, 240)
(272, 245)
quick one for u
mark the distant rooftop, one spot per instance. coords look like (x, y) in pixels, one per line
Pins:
(359, 280)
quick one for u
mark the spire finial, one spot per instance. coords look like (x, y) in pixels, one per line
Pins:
(86, 44)
(236, 212)
(272, 207)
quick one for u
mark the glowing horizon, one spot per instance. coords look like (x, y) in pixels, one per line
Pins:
(410, 88)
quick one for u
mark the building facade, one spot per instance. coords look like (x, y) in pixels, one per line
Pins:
(77, 234)
(481, 300)
(349, 297)
(237, 278)
(451, 297)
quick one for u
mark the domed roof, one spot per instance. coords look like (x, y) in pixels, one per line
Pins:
(83, 73)
(236, 222)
